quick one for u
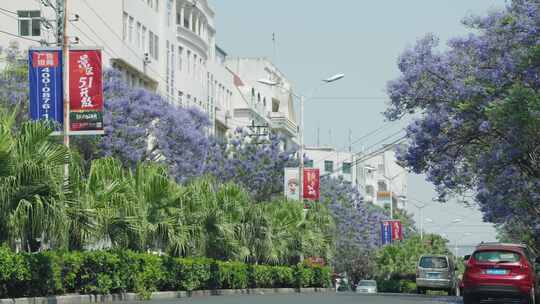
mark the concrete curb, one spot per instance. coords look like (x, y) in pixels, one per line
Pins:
(164, 295)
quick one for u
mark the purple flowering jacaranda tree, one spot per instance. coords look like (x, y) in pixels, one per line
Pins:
(478, 104)
(142, 126)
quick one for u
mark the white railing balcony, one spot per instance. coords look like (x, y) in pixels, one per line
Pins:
(190, 37)
(282, 122)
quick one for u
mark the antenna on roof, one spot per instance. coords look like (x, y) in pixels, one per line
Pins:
(274, 55)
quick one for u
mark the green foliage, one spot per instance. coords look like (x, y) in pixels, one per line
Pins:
(105, 272)
(229, 275)
(401, 258)
(262, 276)
(187, 274)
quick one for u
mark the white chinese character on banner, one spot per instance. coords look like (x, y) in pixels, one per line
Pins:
(86, 82)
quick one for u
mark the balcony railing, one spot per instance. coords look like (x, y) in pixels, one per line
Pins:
(282, 122)
(190, 37)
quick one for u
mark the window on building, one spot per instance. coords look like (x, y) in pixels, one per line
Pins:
(138, 37)
(346, 167)
(369, 190)
(181, 97)
(156, 47)
(188, 56)
(328, 166)
(124, 26)
(29, 23)
(151, 43)
(380, 168)
(381, 185)
(180, 57)
(308, 163)
(195, 66)
(143, 39)
(156, 6)
(130, 29)
(275, 105)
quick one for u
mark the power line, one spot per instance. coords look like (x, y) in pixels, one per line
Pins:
(21, 37)
(373, 153)
(8, 15)
(8, 11)
(360, 139)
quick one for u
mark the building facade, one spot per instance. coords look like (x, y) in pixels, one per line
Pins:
(168, 46)
(380, 178)
(263, 107)
(331, 162)
(376, 176)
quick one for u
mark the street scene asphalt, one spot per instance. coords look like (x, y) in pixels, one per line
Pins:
(345, 298)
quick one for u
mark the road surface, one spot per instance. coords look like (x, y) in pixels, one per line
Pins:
(319, 298)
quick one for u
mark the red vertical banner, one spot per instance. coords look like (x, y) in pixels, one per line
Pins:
(85, 91)
(312, 184)
(397, 230)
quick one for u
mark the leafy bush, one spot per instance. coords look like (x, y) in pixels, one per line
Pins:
(283, 276)
(14, 271)
(105, 272)
(187, 274)
(321, 277)
(230, 275)
(262, 276)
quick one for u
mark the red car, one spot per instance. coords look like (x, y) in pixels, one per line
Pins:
(500, 271)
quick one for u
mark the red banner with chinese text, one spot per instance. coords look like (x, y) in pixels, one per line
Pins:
(397, 230)
(85, 91)
(312, 184)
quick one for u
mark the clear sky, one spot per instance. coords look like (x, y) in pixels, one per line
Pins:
(363, 39)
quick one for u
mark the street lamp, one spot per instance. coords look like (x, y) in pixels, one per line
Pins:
(421, 207)
(302, 98)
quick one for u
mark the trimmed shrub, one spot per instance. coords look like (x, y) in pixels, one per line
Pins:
(106, 272)
(229, 275)
(14, 272)
(283, 277)
(187, 274)
(262, 276)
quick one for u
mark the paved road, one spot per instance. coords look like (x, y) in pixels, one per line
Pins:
(312, 299)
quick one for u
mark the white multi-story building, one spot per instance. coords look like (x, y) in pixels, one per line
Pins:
(381, 177)
(331, 162)
(378, 176)
(259, 104)
(168, 46)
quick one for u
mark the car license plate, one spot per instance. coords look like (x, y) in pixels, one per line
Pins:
(433, 275)
(496, 271)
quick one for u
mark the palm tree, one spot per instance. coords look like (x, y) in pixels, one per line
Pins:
(32, 196)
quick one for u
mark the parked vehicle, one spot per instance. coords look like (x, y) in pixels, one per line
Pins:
(366, 286)
(436, 272)
(501, 271)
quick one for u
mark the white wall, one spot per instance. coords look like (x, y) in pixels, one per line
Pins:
(319, 155)
(382, 168)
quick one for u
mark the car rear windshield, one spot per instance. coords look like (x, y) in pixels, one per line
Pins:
(433, 262)
(496, 256)
(367, 283)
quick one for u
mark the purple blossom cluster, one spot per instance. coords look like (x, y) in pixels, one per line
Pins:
(357, 223)
(477, 102)
(142, 126)
(256, 163)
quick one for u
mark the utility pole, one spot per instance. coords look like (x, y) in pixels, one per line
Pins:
(63, 41)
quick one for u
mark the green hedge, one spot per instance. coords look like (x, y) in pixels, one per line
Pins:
(106, 272)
